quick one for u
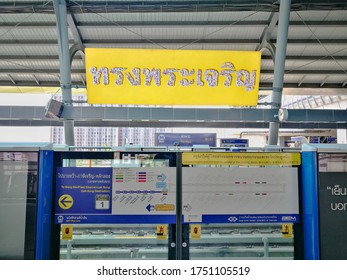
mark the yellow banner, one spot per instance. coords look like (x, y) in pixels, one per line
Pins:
(245, 159)
(172, 77)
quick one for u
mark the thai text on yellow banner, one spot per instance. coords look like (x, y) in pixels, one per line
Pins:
(172, 77)
(243, 159)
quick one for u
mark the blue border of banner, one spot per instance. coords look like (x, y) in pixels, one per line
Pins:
(171, 219)
(114, 219)
(251, 218)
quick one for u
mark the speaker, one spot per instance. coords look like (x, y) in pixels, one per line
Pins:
(54, 109)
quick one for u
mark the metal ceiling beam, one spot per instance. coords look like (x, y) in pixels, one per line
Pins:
(28, 25)
(36, 80)
(265, 37)
(312, 87)
(323, 57)
(141, 24)
(11, 79)
(314, 41)
(171, 24)
(289, 88)
(164, 124)
(75, 33)
(83, 71)
(324, 81)
(212, 41)
(98, 42)
(78, 57)
(167, 6)
(43, 83)
(313, 91)
(301, 80)
(176, 117)
(30, 43)
(90, 113)
(33, 57)
(192, 24)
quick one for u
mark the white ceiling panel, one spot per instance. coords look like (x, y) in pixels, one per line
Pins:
(316, 32)
(315, 15)
(238, 16)
(30, 34)
(22, 18)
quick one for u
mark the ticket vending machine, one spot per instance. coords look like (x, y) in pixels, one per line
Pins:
(176, 205)
(324, 200)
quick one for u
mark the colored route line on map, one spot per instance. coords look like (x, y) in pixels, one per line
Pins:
(139, 192)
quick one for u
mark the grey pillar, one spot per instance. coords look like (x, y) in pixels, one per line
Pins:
(280, 58)
(179, 229)
(65, 67)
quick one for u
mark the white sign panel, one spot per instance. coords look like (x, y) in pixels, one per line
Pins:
(242, 195)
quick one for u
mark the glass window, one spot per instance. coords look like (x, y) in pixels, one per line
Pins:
(18, 194)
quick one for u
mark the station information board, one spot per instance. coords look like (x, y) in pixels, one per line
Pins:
(115, 195)
(240, 195)
(241, 187)
(234, 142)
(185, 139)
(222, 194)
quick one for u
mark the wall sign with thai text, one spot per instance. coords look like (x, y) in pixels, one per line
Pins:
(172, 77)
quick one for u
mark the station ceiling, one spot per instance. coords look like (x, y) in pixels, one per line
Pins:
(316, 50)
(316, 59)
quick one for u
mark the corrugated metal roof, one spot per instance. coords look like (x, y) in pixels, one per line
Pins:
(30, 35)
(316, 49)
(26, 17)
